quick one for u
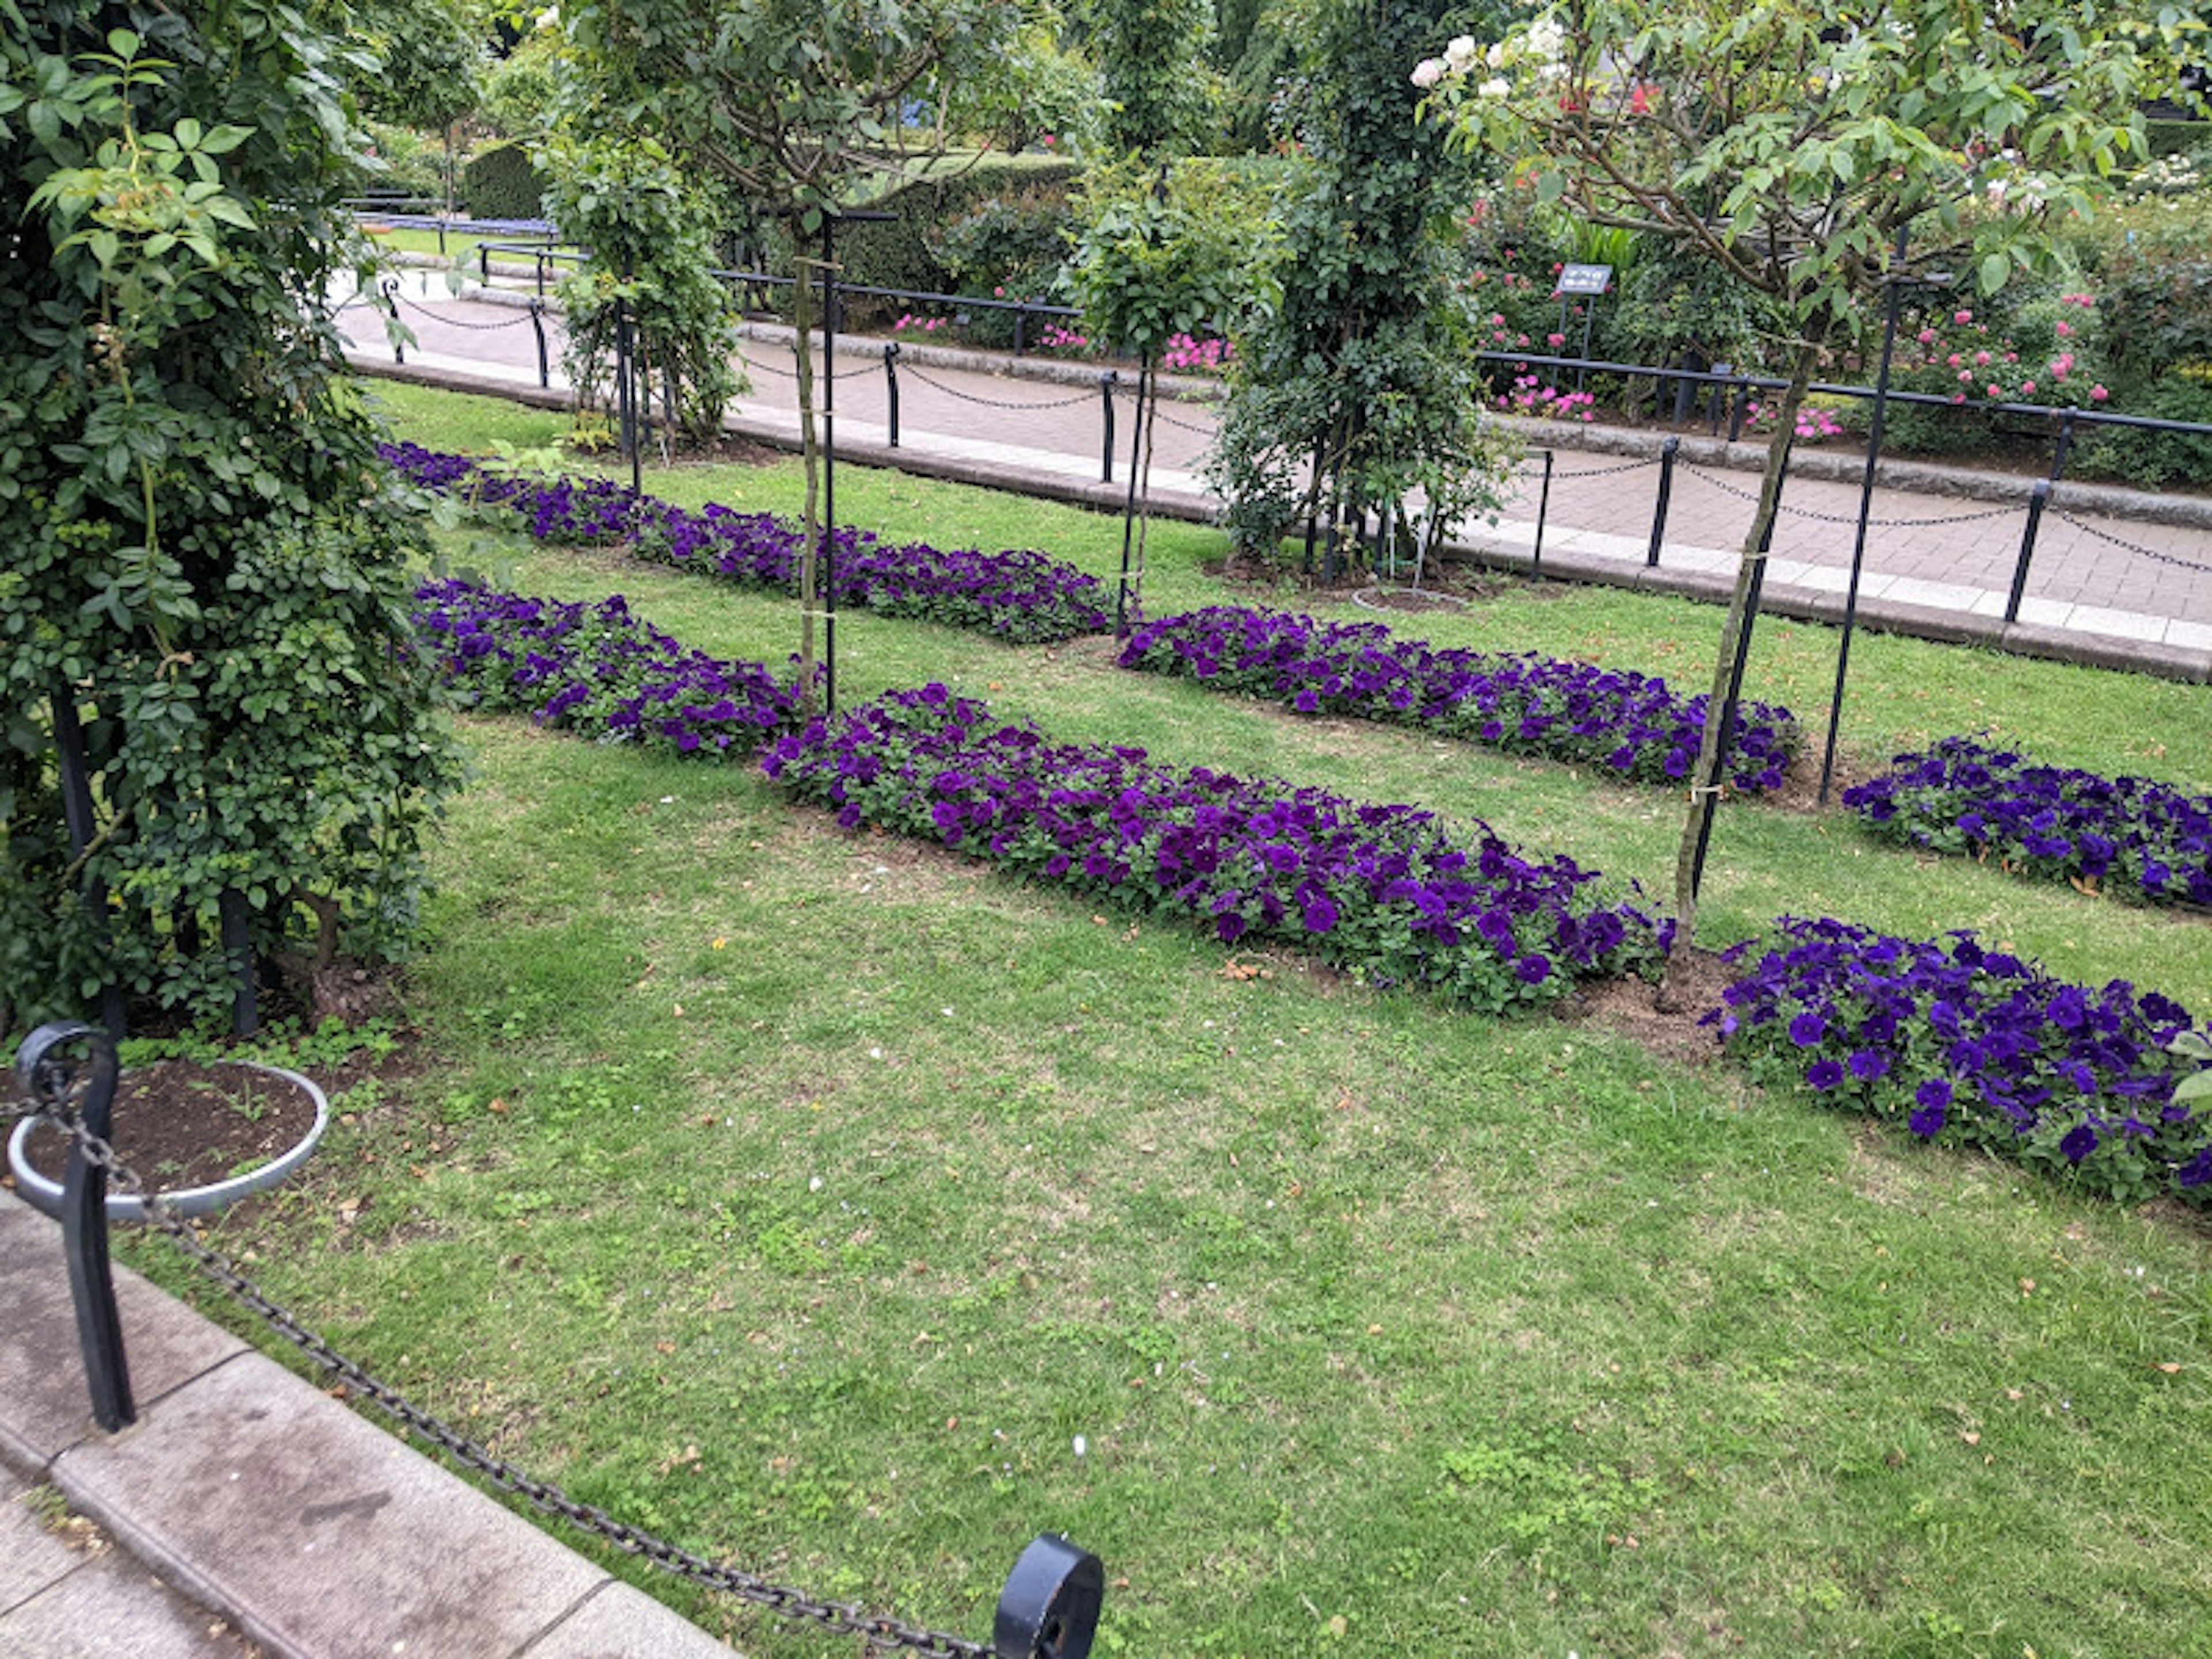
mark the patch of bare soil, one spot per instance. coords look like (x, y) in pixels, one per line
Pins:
(1663, 1018)
(726, 449)
(179, 1124)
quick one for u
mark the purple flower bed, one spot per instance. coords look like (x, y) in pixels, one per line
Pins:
(1631, 725)
(599, 670)
(2136, 838)
(1024, 597)
(1975, 1047)
(1382, 891)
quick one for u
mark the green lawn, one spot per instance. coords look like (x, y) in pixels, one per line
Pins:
(855, 1214)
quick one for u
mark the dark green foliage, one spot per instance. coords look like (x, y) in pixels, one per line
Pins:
(501, 183)
(651, 242)
(904, 252)
(1152, 58)
(2155, 459)
(201, 557)
(1011, 246)
(425, 57)
(2176, 137)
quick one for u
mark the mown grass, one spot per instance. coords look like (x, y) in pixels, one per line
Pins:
(811, 1196)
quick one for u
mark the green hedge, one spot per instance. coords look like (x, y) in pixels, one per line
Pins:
(897, 254)
(499, 183)
(2176, 137)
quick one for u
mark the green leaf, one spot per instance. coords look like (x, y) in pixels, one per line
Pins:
(1995, 268)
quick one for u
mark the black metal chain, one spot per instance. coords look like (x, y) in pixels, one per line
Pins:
(1533, 468)
(1852, 519)
(999, 402)
(834, 1617)
(2134, 547)
(1160, 414)
(792, 374)
(455, 322)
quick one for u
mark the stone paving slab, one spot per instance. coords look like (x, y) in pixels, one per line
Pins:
(621, 1622)
(32, 1558)
(319, 1531)
(44, 1408)
(315, 1532)
(112, 1608)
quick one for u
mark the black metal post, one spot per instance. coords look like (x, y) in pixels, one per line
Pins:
(537, 327)
(48, 1079)
(1735, 684)
(1667, 453)
(828, 464)
(237, 921)
(1866, 510)
(2065, 446)
(1050, 1604)
(1543, 511)
(890, 388)
(1106, 382)
(1720, 398)
(2038, 499)
(1129, 511)
(1590, 320)
(1739, 397)
(625, 409)
(76, 813)
(1021, 330)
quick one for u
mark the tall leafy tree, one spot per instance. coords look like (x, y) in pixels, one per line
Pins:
(1364, 373)
(795, 102)
(203, 579)
(1794, 143)
(1155, 62)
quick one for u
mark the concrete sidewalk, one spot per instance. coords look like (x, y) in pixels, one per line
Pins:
(2118, 578)
(255, 1514)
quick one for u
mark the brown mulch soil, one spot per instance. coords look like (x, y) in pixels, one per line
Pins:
(727, 450)
(1663, 1018)
(181, 1124)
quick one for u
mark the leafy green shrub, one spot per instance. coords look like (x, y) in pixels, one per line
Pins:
(501, 183)
(651, 242)
(2155, 459)
(408, 161)
(1012, 246)
(898, 253)
(205, 565)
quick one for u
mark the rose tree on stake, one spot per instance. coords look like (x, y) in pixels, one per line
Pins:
(1800, 148)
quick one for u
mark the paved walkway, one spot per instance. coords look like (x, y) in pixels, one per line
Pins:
(256, 1514)
(2117, 577)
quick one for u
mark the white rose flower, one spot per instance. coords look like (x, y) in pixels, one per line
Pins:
(1458, 56)
(1496, 56)
(1428, 72)
(1496, 87)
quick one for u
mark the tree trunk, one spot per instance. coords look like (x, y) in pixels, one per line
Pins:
(1704, 783)
(802, 324)
(1143, 507)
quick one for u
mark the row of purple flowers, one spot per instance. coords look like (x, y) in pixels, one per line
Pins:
(1385, 892)
(2136, 838)
(1975, 1047)
(599, 671)
(1633, 725)
(1021, 596)
(1963, 1045)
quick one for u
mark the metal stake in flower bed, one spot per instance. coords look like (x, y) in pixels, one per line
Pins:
(1897, 280)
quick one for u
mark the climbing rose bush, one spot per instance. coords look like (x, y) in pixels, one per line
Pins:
(1388, 893)
(2125, 835)
(1021, 596)
(1974, 1047)
(598, 670)
(1631, 725)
